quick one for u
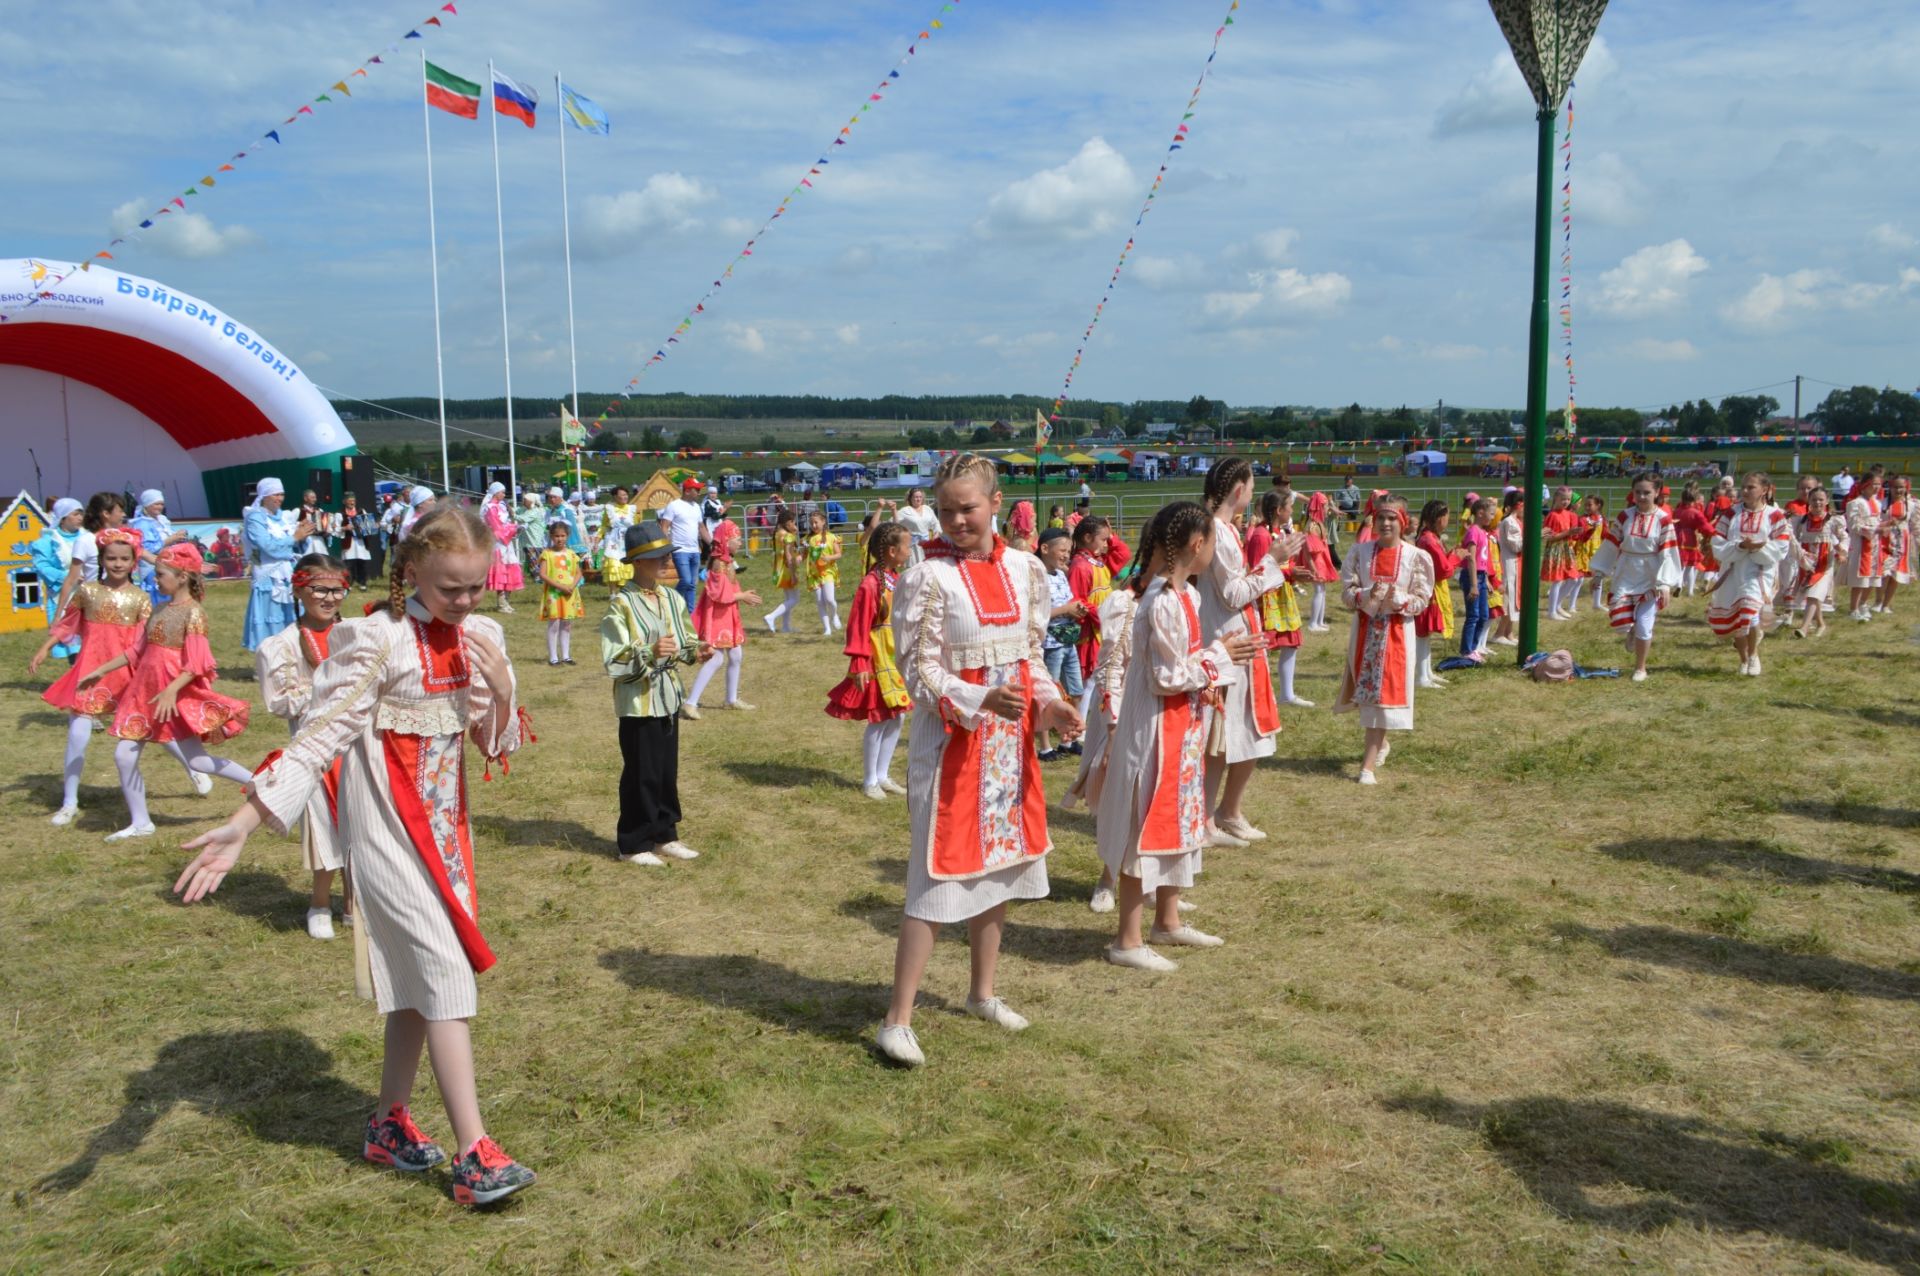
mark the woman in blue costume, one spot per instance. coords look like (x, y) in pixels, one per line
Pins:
(53, 557)
(270, 553)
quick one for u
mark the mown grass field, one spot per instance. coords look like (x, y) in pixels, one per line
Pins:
(1601, 977)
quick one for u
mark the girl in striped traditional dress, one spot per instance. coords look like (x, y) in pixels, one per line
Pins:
(1750, 543)
(1387, 582)
(1152, 826)
(1897, 540)
(1640, 554)
(1820, 539)
(395, 701)
(969, 622)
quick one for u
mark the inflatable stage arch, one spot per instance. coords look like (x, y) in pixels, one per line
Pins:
(116, 383)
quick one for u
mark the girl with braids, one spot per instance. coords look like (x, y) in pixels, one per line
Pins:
(1317, 555)
(1090, 577)
(1436, 621)
(1229, 586)
(397, 697)
(1640, 555)
(105, 511)
(170, 698)
(283, 668)
(716, 618)
(786, 570)
(1280, 625)
(969, 626)
(561, 574)
(1152, 826)
(1821, 545)
(1750, 542)
(822, 551)
(873, 691)
(1387, 582)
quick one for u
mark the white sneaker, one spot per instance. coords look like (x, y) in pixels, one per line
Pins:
(875, 792)
(678, 850)
(64, 816)
(506, 609)
(995, 1011)
(1429, 684)
(898, 790)
(130, 832)
(647, 858)
(1299, 703)
(1746, 667)
(1438, 681)
(1366, 777)
(1241, 829)
(741, 705)
(1217, 836)
(1506, 642)
(1141, 958)
(690, 711)
(1185, 937)
(202, 784)
(1386, 749)
(896, 1041)
(1753, 667)
(320, 923)
(1185, 905)
(1102, 901)
(1639, 675)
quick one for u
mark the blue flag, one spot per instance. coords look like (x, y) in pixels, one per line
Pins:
(582, 112)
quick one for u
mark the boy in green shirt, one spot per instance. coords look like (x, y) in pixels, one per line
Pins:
(646, 634)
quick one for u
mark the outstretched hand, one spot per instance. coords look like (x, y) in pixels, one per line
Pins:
(220, 851)
(1061, 716)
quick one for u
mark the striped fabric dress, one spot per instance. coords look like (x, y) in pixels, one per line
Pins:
(1743, 599)
(392, 702)
(283, 668)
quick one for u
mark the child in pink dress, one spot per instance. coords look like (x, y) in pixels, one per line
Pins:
(170, 698)
(716, 618)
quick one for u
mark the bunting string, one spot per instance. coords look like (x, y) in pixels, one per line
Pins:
(178, 203)
(1566, 261)
(1181, 136)
(814, 170)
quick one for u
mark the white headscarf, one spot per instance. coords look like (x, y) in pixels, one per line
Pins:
(149, 496)
(266, 487)
(419, 496)
(64, 506)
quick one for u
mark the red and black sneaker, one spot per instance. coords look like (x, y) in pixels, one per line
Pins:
(395, 1141)
(486, 1174)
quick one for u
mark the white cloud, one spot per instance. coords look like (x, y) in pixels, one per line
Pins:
(1775, 300)
(1606, 192)
(1081, 197)
(1168, 274)
(181, 234)
(1654, 350)
(612, 224)
(848, 333)
(1272, 247)
(1497, 96)
(1909, 279)
(1651, 281)
(1021, 344)
(1892, 238)
(738, 227)
(1278, 295)
(1438, 351)
(744, 338)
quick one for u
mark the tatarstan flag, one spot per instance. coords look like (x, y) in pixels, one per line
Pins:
(452, 94)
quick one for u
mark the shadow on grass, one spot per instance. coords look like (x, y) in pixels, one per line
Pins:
(786, 775)
(545, 831)
(1883, 716)
(42, 718)
(834, 1009)
(250, 892)
(1311, 766)
(1703, 855)
(276, 1085)
(1892, 817)
(1053, 946)
(1743, 959)
(1582, 1157)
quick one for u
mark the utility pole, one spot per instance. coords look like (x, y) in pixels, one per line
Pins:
(1797, 431)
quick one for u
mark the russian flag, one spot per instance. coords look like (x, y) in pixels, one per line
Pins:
(510, 97)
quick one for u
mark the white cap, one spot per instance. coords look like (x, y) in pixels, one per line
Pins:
(150, 496)
(64, 506)
(419, 496)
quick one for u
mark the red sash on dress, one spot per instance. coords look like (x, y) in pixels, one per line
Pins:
(973, 836)
(1266, 711)
(404, 762)
(1163, 832)
(1379, 670)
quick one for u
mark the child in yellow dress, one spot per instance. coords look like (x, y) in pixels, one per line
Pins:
(786, 571)
(560, 606)
(822, 549)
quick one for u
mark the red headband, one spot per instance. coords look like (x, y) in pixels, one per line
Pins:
(182, 556)
(313, 575)
(117, 536)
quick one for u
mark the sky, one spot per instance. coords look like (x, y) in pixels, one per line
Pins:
(1350, 221)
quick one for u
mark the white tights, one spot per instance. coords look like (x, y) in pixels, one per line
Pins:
(79, 735)
(133, 786)
(829, 609)
(559, 640)
(1423, 657)
(877, 745)
(1317, 615)
(728, 656)
(1689, 578)
(783, 614)
(1560, 590)
(1283, 658)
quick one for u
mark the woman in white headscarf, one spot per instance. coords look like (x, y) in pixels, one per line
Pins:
(419, 501)
(503, 574)
(156, 533)
(272, 542)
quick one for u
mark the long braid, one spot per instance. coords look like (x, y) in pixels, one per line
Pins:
(397, 581)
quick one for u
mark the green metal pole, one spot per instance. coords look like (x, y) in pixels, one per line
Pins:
(1537, 392)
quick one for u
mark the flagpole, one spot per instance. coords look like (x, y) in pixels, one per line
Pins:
(500, 227)
(566, 240)
(433, 253)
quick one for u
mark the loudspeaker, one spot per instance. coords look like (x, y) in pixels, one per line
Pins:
(356, 475)
(321, 481)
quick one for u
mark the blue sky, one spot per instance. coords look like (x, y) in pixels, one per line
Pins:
(1350, 222)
